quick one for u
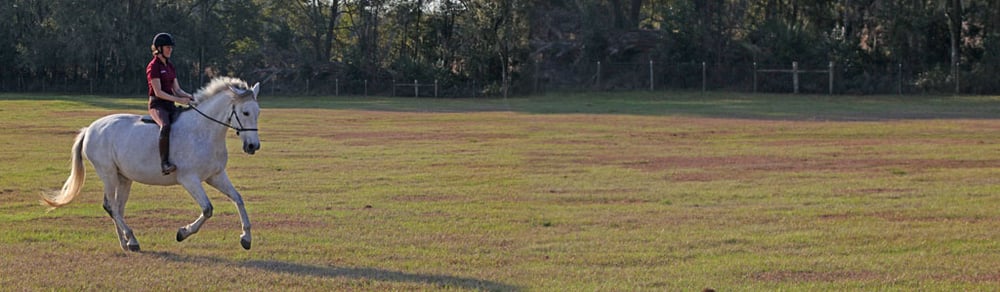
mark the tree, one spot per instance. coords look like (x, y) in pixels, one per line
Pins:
(318, 26)
(953, 11)
(102, 46)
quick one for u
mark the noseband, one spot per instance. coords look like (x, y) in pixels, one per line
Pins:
(228, 121)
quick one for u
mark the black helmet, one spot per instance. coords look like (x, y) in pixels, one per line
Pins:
(163, 39)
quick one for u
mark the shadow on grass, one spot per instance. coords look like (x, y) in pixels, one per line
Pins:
(345, 272)
(696, 104)
(666, 103)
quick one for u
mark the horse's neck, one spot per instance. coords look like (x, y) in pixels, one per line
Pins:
(215, 108)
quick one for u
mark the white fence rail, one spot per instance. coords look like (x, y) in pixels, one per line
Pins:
(795, 71)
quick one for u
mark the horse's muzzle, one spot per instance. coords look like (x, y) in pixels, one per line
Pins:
(250, 148)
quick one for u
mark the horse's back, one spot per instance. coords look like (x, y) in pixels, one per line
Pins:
(116, 118)
(118, 127)
(125, 143)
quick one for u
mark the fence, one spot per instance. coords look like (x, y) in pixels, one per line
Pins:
(811, 77)
(795, 71)
(793, 77)
(362, 87)
(414, 87)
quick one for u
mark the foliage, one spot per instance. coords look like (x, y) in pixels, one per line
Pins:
(513, 46)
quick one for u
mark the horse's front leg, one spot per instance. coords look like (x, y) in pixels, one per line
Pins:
(221, 182)
(193, 186)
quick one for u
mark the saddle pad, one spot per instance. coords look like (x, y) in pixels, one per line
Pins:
(147, 119)
(177, 113)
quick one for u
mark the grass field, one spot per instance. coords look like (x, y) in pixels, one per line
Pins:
(670, 191)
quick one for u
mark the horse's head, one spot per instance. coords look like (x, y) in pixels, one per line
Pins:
(246, 110)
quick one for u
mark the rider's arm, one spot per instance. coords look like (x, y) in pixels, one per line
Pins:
(163, 95)
(180, 92)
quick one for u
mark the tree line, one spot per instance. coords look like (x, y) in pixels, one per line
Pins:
(474, 47)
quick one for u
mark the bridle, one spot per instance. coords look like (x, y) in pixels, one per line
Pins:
(228, 121)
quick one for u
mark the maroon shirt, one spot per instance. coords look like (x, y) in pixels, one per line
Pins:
(167, 75)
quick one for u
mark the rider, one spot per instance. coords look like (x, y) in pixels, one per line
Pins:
(164, 91)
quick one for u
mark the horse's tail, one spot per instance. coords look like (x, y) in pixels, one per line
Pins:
(76, 177)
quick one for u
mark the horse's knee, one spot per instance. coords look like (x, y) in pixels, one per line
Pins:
(237, 199)
(207, 212)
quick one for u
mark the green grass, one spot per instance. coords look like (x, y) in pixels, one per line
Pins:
(561, 192)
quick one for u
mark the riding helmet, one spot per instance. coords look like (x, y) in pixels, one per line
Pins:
(163, 39)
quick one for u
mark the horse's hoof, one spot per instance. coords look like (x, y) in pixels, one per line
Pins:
(245, 243)
(133, 247)
(180, 235)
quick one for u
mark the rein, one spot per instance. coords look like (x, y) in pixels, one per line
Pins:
(227, 125)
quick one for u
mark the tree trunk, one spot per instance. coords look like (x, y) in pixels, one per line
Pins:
(331, 26)
(954, 13)
(634, 14)
(617, 14)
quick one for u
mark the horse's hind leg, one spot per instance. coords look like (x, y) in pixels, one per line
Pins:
(193, 186)
(108, 207)
(124, 188)
(116, 191)
(221, 182)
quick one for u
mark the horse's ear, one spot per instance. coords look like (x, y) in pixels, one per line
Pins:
(237, 91)
(255, 89)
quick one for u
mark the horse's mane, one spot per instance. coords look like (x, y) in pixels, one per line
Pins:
(219, 84)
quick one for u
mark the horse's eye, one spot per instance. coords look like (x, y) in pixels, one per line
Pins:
(246, 114)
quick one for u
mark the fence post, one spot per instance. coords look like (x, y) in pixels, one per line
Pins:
(598, 75)
(831, 77)
(435, 88)
(958, 72)
(650, 74)
(534, 83)
(336, 87)
(366, 88)
(754, 77)
(795, 76)
(704, 77)
(416, 88)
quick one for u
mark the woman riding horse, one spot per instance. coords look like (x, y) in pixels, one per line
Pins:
(164, 91)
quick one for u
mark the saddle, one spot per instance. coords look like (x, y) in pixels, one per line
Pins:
(173, 116)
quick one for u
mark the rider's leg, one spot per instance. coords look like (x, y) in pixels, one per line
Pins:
(163, 118)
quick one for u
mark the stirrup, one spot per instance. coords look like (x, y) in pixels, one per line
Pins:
(167, 167)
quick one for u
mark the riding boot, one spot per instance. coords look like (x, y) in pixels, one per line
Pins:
(165, 164)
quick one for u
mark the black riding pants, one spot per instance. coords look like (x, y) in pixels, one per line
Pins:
(164, 118)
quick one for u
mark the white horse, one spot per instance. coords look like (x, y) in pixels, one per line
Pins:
(123, 149)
